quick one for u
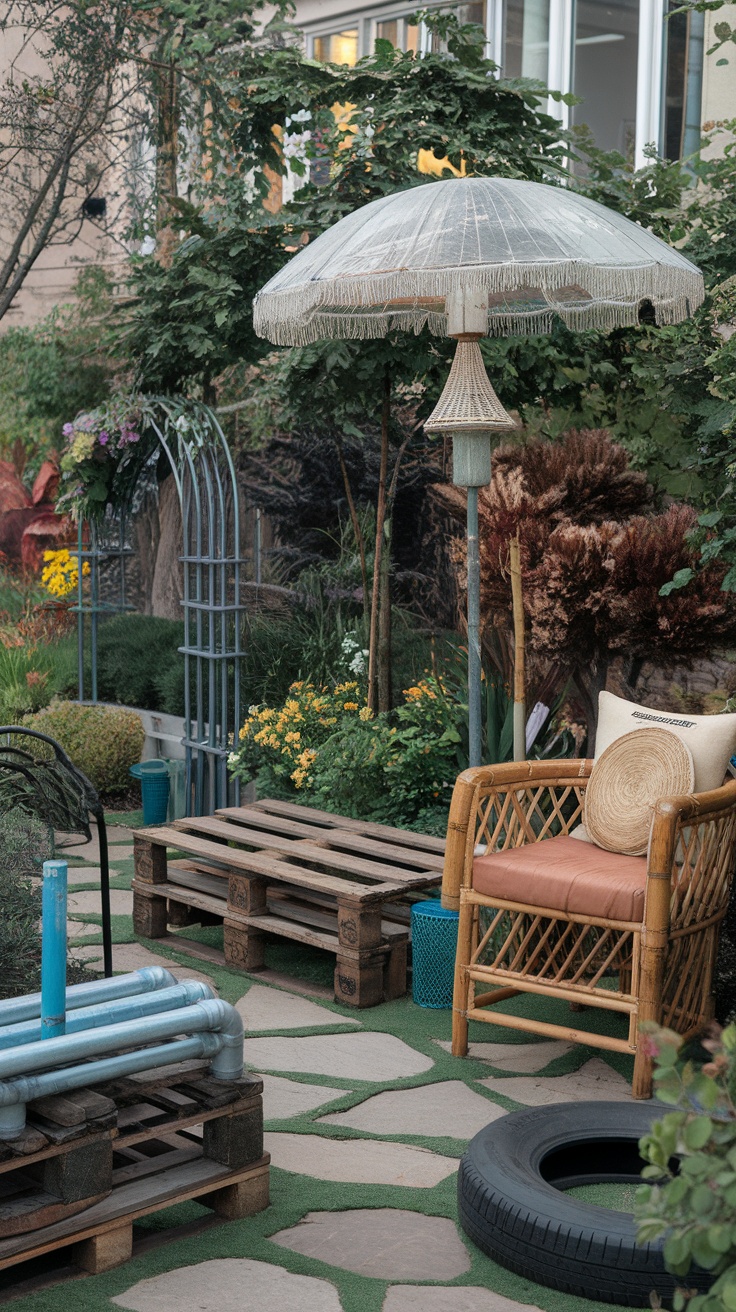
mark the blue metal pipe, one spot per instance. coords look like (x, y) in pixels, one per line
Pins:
(210, 1014)
(53, 949)
(16, 1093)
(111, 1013)
(28, 1007)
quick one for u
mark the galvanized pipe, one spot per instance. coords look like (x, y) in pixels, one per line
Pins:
(210, 1014)
(53, 949)
(14, 1094)
(112, 1013)
(28, 1007)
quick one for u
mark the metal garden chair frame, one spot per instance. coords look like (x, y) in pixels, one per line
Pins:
(658, 970)
(49, 786)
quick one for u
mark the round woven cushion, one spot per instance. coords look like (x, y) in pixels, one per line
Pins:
(626, 783)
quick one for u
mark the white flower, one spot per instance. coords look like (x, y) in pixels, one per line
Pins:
(358, 663)
(253, 710)
(233, 759)
(369, 131)
(349, 643)
(294, 143)
(301, 116)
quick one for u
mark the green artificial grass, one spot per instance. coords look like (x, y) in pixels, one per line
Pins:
(294, 1195)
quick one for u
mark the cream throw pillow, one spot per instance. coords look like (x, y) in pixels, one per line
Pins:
(711, 738)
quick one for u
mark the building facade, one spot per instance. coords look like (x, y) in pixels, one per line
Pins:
(642, 77)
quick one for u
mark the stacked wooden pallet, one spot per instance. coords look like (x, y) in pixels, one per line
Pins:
(91, 1162)
(275, 868)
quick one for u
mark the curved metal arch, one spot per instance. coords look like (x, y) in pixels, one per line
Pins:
(190, 436)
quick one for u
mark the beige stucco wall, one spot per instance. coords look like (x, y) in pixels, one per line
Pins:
(719, 84)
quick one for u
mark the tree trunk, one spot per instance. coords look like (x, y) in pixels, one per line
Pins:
(357, 531)
(380, 520)
(167, 156)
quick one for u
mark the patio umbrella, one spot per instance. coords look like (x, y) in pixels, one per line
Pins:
(465, 258)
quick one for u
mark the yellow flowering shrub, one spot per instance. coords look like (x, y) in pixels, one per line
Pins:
(60, 574)
(281, 745)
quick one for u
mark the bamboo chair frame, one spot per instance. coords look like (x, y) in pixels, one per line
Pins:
(658, 970)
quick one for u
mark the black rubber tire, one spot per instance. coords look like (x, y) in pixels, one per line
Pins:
(512, 1205)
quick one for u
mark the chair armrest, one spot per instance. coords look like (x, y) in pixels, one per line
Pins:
(673, 815)
(477, 785)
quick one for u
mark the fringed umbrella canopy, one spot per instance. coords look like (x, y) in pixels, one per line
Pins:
(466, 258)
(534, 250)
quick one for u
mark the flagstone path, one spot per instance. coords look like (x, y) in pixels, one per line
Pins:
(367, 1114)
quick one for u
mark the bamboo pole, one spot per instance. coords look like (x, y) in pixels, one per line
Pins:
(519, 654)
(380, 520)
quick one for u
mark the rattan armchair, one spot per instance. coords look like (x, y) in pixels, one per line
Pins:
(653, 962)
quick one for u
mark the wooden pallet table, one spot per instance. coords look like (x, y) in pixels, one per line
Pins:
(93, 1161)
(297, 873)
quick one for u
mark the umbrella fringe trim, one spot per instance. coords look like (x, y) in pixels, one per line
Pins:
(314, 311)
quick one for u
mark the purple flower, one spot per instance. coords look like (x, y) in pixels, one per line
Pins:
(67, 430)
(104, 438)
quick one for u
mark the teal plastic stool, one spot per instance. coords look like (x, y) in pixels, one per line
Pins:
(433, 948)
(155, 784)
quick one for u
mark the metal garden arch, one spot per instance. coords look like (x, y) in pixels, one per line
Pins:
(190, 436)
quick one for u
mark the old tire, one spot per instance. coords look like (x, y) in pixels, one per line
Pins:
(512, 1205)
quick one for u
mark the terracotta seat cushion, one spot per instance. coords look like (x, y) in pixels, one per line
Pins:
(566, 875)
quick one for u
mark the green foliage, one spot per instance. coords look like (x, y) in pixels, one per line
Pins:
(102, 741)
(693, 1206)
(23, 682)
(51, 370)
(323, 747)
(192, 320)
(25, 844)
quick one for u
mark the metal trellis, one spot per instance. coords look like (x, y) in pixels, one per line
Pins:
(189, 435)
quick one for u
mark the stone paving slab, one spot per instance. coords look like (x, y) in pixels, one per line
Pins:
(88, 902)
(374, 1057)
(80, 928)
(522, 1057)
(91, 851)
(231, 1284)
(596, 1081)
(133, 956)
(358, 1161)
(446, 1108)
(384, 1242)
(461, 1298)
(273, 1009)
(83, 875)
(283, 1098)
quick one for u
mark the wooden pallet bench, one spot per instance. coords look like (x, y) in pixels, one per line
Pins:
(276, 868)
(92, 1162)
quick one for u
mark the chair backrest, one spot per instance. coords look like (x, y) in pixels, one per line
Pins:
(37, 776)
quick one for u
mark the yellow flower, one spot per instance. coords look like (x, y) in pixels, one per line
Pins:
(293, 737)
(366, 713)
(60, 574)
(350, 706)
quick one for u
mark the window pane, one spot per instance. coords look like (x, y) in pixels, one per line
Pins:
(606, 48)
(472, 13)
(411, 37)
(339, 48)
(674, 83)
(526, 51)
(388, 31)
(344, 47)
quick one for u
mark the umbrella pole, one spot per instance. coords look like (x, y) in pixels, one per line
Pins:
(474, 661)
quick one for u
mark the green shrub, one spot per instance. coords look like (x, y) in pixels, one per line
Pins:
(102, 741)
(25, 844)
(23, 682)
(691, 1202)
